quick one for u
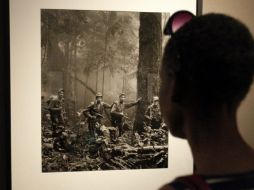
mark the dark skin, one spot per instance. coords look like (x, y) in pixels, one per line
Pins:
(208, 138)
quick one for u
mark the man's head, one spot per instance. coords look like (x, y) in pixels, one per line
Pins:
(122, 97)
(61, 93)
(156, 100)
(98, 97)
(207, 63)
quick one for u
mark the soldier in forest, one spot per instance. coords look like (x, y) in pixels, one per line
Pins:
(57, 111)
(44, 109)
(95, 112)
(153, 114)
(118, 112)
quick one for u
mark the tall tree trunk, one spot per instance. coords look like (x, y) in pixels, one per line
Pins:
(97, 76)
(68, 80)
(44, 61)
(75, 75)
(46, 41)
(97, 67)
(85, 90)
(123, 88)
(104, 64)
(44, 55)
(124, 74)
(107, 27)
(150, 50)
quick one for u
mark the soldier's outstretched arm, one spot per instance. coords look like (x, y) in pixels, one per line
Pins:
(107, 106)
(129, 105)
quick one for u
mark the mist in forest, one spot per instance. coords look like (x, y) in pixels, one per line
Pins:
(97, 49)
(86, 52)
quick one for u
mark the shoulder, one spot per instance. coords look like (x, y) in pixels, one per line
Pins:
(91, 105)
(150, 106)
(167, 187)
(53, 99)
(115, 102)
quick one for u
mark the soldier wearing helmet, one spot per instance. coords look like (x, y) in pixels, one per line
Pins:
(95, 112)
(117, 112)
(153, 114)
(57, 110)
(56, 107)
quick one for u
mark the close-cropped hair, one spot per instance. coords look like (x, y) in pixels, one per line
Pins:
(212, 57)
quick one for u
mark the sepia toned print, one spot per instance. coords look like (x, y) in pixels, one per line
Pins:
(99, 83)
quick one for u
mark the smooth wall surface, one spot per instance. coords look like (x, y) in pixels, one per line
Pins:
(243, 11)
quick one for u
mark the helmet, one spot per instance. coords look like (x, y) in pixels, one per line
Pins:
(121, 94)
(155, 98)
(60, 90)
(98, 94)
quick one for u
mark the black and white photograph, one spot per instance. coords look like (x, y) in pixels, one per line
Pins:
(100, 90)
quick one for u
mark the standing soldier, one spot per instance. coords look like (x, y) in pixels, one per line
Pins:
(44, 109)
(95, 112)
(117, 112)
(56, 109)
(153, 114)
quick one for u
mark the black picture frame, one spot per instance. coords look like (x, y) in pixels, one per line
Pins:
(199, 7)
(5, 121)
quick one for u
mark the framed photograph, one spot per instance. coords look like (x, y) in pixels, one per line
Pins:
(84, 95)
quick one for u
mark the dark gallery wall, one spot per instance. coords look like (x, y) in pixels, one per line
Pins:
(242, 10)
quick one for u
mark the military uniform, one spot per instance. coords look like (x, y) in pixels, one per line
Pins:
(56, 110)
(153, 116)
(95, 112)
(117, 113)
(44, 109)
